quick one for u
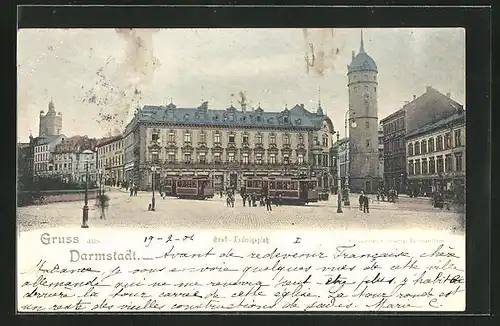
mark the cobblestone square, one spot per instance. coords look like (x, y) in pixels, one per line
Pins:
(212, 214)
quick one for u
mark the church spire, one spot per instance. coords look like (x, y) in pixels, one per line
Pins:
(362, 47)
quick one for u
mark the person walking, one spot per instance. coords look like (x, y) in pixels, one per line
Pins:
(366, 208)
(244, 199)
(269, 207)
(136, 188)
(103, 205)
(361, 201)
(131, 191)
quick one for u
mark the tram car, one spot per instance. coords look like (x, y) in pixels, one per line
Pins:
(194, 188)
(168, 186)
(298, 191)
(255, 186)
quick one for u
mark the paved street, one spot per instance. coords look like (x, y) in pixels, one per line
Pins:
(125, 211)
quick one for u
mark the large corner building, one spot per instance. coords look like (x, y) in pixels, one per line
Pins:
(226, 145)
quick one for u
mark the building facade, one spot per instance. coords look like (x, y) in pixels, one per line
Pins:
(380, 152)
(71, 158)
(110, 157)
(43, 148)
(430, 107)
(394, 133)
(227, 145)
(437, 155)
(363, 131)
(341, 148)
(50, 123)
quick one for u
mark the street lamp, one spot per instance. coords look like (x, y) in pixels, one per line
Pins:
(348, 164)
(85, 217)
(339, 182)
(153, 169)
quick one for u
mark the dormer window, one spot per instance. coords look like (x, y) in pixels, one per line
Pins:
(155, 137)
(285, 120)
(171, 136)
(259, 118)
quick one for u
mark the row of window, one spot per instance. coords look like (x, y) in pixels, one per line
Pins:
(42, 157)
(395, 164)
(366, 88)
(231, 157)
(394, 145)
(65, 166)
(111, 161)
(155, 137)
(436, 165)
(365, 77)
(435, 144)
(321, 159)
(42, 148)
(110, 147)
(393, 126)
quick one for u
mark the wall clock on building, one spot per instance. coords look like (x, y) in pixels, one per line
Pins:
(366, 96)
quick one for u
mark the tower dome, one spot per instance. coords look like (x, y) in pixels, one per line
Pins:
(362, 61)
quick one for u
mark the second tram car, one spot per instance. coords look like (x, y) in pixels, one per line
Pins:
(255, 186)
(194, 187)
(168, 186)
(293, 190)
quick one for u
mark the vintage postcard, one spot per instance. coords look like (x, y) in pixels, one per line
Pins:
(241, 170)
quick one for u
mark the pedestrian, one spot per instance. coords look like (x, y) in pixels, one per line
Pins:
(131, 191)
(244, 199)
(103, 203)
(366, 208)
(268, 204)
(136, 188)
(361, 201)
(280, 199)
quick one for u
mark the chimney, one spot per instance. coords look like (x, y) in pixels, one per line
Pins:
(428, 88)
(448, 95)
(353, 55)
(243, 107)
(414, 97)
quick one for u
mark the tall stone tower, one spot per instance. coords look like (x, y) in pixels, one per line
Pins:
(50, 123)
(363, 122)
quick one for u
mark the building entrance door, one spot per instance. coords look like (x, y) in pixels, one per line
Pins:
(233, 180)
(368, 186)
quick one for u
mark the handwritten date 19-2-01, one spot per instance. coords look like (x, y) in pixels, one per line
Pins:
(148, 240)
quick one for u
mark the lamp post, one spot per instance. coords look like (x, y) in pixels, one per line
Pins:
(153, 170)
(348, 163)
(85, 217)
(339, 182)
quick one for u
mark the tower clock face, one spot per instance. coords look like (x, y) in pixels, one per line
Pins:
(366, 96)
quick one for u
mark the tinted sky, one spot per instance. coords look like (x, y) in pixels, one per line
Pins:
(97, 77)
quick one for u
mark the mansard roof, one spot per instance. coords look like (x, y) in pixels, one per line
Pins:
(297, 117)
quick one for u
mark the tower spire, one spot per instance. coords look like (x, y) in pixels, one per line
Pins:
(362, 47)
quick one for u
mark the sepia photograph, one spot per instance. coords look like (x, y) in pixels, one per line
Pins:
(242, 137)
